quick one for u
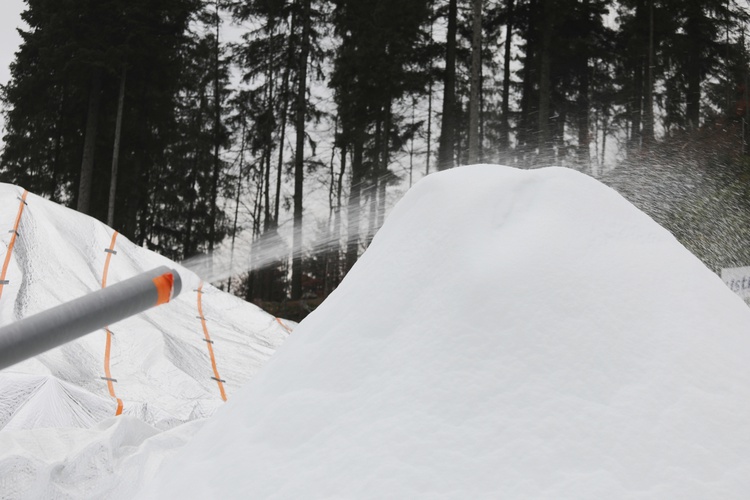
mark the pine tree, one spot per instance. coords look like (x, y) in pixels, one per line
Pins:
(476, 82)
(275, 59)
(373, 68)
(61, 104)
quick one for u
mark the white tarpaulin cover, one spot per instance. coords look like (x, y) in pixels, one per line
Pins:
(159, 359)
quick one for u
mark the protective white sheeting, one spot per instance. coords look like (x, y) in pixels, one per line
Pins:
(110, 460)
(508, 334)
(159, 358)
(52, 404)
(33, 401)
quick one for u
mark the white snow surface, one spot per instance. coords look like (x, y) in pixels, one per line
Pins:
(59, 437)
(508, 334)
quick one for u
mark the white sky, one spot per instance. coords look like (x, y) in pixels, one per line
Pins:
(10, 19)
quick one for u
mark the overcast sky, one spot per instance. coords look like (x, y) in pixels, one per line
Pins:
(10, 19)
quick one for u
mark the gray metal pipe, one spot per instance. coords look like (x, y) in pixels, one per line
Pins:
(61, 324)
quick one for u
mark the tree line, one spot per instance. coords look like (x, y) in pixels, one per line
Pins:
(185, 124)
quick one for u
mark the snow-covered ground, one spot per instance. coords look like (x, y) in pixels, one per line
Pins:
(59, 436)
(508, 334)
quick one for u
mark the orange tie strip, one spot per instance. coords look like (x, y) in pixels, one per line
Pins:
(110, 251)
(209, 343)
(283, 325)
(108, 375)
(12, 243)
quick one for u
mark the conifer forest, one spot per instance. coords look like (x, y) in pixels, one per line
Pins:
(295, 125)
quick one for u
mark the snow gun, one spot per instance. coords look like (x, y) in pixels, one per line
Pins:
(61, 324)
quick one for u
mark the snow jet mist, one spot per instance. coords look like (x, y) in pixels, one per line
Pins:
(697, 196)
(682, 190)
(275, 246)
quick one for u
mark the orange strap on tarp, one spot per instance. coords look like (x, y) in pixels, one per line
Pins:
(110, 251)
(108, 375)
(288, 330)
(209, 343)
(14, 232)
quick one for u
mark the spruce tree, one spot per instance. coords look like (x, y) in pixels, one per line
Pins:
(373, 68)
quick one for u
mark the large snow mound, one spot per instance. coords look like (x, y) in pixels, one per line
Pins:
(508, 334)
(158, 360)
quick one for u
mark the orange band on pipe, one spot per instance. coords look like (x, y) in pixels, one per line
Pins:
(164, 285)
(12, 240)
(208, 343)
(108, 345)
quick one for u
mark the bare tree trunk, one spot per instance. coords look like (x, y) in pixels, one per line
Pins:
(217, 139)
(693, 97)
(636, 120)
(446, 146)
(236, 205)
(280, 164)
(476, 62)
(300, 155)
(505, 110)
(429, 128)
(411, 146)
(648, 105)
(584, 135)
(596, 145)
(267, 217)
(89, 145)
(353, 211)
(332, 171)
(482, 110)
(337, 218)
(527, 129)
(605, 129)
(258, 204)
(116, 149)
(584, 139)
(382, 181)
(544, 83)
(429, 116)
(269, 221)
(284, 112)
(340, 181)
(372, 200)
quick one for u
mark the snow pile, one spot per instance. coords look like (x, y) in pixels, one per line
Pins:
(508, 334)
(159, 361)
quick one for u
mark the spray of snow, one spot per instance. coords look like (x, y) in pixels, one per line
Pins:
(269, 249)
